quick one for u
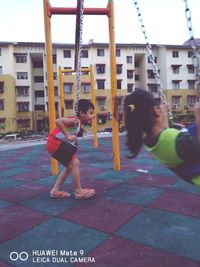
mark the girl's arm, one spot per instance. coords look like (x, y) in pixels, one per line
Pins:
(197, 119)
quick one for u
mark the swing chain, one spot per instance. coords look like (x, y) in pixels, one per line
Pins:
(150, 54)
(78, 57)
(196, 54)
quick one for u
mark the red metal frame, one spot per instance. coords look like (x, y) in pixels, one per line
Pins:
(73, 11)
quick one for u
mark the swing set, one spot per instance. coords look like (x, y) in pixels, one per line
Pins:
(79, 11)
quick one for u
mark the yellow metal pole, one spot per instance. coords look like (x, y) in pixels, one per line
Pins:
(50, 80)
(94, 123)
(113, 79)
(62, 103)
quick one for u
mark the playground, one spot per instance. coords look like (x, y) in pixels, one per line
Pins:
(141, 216)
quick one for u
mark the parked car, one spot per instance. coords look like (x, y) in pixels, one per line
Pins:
(107, 130)
(10, 137)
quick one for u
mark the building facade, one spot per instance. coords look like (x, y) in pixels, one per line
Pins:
(23, 84)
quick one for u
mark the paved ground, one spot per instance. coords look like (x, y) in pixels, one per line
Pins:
(137, 219)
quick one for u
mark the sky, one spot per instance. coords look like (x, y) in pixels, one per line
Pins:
(164, 20)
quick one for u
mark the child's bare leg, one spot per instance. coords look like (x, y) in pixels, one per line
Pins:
(80, 193)
(59, 182)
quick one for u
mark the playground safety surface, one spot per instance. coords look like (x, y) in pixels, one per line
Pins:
(141, 216)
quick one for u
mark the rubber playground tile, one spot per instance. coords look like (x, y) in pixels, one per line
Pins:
(186, 187)
(30, 175)
(134, 194)
(179, 202)
(17, 220)
(162, 171)
(171, 232)
(8, 183)
(119, 252)
(3, 264)
(4, 204)
(62, 235)
(115, 176)
(12, 172)
(49, 206)
(154, 180)
(51, 179)
(103, 215)
(24, 191)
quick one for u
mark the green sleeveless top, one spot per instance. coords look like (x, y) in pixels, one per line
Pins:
(180, 152)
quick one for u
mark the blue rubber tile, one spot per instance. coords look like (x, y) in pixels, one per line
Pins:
(167, 231)
(62, 235)
(163, 171)
(12, 172)
(8, 182)
(134, 194)
(51, 179)
(120, 252)
(50, 206)
(4, 203)
(186, 187)
(115, 176)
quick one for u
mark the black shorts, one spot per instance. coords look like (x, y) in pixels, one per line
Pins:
(64, 153)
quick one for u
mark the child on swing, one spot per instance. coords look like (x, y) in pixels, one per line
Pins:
(147, 123)
(60, 150)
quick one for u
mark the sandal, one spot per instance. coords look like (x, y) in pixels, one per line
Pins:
(84, 193)
(59, 194)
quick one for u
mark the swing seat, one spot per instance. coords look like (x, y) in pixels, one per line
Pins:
(65, 152)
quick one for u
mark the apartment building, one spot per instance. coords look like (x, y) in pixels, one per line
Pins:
(23, 84)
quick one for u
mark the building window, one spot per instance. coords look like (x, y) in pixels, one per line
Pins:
(130, 74)
(0, 52)
(153, 88)
(130, 87)
(190, 69)
(176, 85)
(22, 90)
(118, 52)
(1, 87)
(119, 68)
(68, 87)
(191, 99)
(39, 93)
(22, 106)
(190, 54)
(176, 100)
(54, 59)
(21, 58)
(175, 54)
(1, 70)
(85, 87)
(55, 75)
(67, 73)
(119, 84)
(100, 84)
(22, 75)
(102, 118)
(101, 102)
(67, 53)
(69, 104)
(191, 84)
(137, 77)
(1, 104)
(38, 79)
(151, 74)
(175, 69)
(100, 68)
(40, 107)
(129, 59)
(84, 54)
(23, 123)
(100, 52)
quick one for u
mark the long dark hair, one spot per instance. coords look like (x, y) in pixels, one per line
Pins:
(138, 108)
